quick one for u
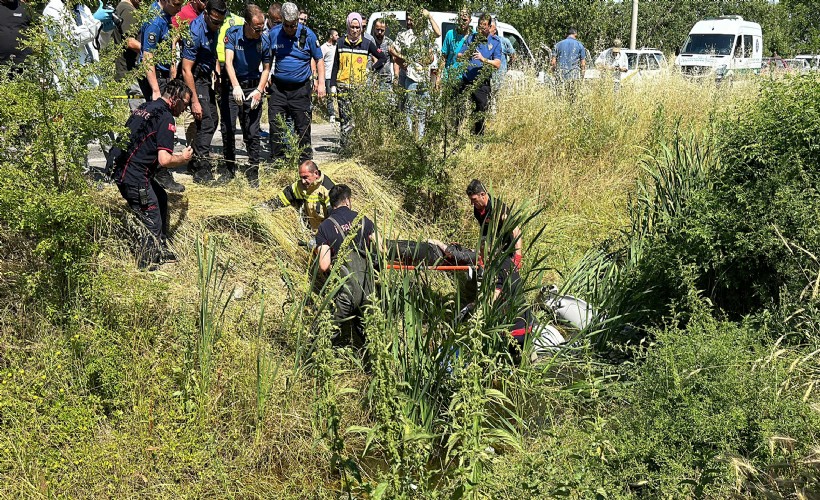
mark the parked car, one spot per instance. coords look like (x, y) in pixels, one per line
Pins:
(778, 65)
(643, 64)
(812, 59)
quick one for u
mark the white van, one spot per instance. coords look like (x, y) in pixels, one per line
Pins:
(723, 48)
(448, 21)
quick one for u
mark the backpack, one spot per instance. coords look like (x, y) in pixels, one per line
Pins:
(357, 270)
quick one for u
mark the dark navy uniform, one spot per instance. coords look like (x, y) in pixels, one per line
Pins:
(248, 55)
(151, 35)
(292, 87)
(350, 300)
(151, 129)
(14, 18)
(201, 49)
(508, 279)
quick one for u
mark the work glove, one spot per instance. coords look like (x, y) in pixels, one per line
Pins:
(517, 262)
(105, 17)
(254, 102)
(238, 95)
(274, 203)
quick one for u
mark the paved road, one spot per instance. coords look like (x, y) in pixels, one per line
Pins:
(324, 136)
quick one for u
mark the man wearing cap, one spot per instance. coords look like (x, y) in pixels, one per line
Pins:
(293, 47)
(569, 62)
(614, 61)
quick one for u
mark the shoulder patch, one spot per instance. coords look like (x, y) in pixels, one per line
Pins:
(152, 37)
(172, 128)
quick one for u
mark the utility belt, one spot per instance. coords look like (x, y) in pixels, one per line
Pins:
(249, 83)
(200, 72)
(283, 85)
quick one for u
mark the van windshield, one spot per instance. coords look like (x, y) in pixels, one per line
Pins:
(708, 44)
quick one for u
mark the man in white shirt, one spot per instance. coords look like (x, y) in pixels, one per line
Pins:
(614, 61)
(415, 56)
(329, 56)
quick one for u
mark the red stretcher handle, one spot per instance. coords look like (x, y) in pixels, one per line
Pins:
(402, 267)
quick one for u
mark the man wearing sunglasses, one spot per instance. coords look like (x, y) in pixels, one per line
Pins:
(198, 69)
(246, 50)
(294, 46)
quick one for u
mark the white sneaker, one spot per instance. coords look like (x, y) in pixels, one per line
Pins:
(332, 119)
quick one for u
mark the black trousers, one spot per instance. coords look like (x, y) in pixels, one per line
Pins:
(145, 87)
(290, 100)
(205, 127)
(229, 112)
(151, 208)
(481, 102)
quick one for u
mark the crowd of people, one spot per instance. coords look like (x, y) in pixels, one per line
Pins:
(225, 67)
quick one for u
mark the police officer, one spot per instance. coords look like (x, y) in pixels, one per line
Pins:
(293, 45)
(485, 49)
(151, 148)
(152, 34)
(245, 51)
(198, 68)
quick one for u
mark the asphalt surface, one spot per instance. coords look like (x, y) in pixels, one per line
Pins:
(324, 137)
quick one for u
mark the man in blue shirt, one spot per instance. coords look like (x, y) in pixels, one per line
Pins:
(153, 33)
(293, 46)
(482, 48)
(198, 67)
(245, 51)
(569, 62)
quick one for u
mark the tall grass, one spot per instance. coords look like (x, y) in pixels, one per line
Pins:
(213, 300)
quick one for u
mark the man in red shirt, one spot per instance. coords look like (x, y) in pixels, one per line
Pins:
(189, 12)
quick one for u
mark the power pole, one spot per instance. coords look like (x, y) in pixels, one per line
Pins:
(633, 38)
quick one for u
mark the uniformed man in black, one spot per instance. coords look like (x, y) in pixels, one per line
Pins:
(491, 213)
(351, 298)
(150, 148)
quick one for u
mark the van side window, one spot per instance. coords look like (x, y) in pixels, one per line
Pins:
(747, 46)
(652, 63)
(738, 47)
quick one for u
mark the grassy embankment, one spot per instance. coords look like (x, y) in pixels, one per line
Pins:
(110, 402)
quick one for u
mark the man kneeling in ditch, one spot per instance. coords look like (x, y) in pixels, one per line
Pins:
(356, 266)
(150, 148)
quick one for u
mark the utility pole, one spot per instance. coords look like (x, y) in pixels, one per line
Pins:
(633, 38)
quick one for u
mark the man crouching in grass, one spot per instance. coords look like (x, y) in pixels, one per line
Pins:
(150, 148)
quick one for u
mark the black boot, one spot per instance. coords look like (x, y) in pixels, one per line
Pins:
(166, 180)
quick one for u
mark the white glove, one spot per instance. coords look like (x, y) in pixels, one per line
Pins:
(255, 102)
(333, 89)
(238, 95)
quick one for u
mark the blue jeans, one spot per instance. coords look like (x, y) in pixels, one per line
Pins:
(415, 96)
